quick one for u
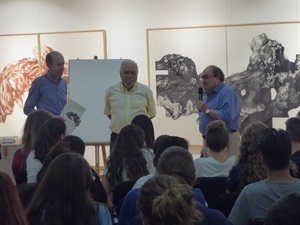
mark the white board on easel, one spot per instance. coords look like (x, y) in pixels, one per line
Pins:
(88, 80)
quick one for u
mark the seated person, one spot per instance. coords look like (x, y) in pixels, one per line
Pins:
(51, 132)
(178, 162)
(75, 144)
(97, 189)
(293, 129)
(249, 167)
(11, 210)
(146, 124)
(129, 159)
(285, 211)
(257, 198)
(160, 145)
(70, 143)
(217, 164)
(33, 123)
(63, 195)
(168, 200)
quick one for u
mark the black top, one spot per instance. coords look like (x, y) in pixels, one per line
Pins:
(296, 159)
(233, 180)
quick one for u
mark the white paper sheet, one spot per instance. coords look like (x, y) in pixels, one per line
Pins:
(72, 112)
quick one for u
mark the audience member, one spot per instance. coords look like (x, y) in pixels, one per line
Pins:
(167, 200)
(70, 143)
(11, 210)
(63, 195)
(286, 211)
(160, 145)
(178, 162)
(51, 132)
(217, 164)
(129, 160)
(26, 190)
(31, 127)
(255, 199)
(146, 124)
(97, 189)
(249, 168)
(76, 143)
(164, 141)
(58, 149)
(293, 129)
(126, 99)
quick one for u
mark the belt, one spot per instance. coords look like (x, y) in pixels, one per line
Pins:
(230, 132)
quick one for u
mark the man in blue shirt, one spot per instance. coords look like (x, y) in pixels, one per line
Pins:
(220, 102)
(49, 91)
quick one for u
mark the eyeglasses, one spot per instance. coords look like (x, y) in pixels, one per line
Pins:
(206, 77)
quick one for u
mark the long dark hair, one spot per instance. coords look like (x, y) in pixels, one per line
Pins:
(63, 196)
(145, 123)
(127, 155)
(11, 209)
(49, 134)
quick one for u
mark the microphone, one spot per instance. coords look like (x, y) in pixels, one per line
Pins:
(200, 93)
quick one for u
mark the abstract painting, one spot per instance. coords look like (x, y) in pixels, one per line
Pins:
(254, 59)
(23, 59)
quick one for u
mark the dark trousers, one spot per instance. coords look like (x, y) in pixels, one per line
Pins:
(113, 137)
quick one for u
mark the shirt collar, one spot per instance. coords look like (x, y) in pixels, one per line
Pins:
(50, 77)
(217, 88)
(123, 88)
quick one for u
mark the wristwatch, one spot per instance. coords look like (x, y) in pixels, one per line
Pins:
(208, 110)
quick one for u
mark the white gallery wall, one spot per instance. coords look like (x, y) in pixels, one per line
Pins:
(126, 22)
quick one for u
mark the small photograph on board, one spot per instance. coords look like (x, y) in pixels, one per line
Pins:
(72, 112)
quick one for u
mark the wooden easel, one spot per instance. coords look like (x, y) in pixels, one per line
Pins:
(97, 153)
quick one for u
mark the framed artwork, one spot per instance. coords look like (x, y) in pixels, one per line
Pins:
(264, 69)
(23, 59)
(260, 61)
(19, 65)
(175, 58)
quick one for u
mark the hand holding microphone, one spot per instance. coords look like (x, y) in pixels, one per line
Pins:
(200, 93)
(201, 106)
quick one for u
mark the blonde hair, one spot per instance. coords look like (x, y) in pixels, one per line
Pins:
(250, 158)
(167, 200)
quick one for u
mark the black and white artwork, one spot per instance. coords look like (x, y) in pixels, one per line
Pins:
(177, 92)
(268, 86)
(176, 57)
